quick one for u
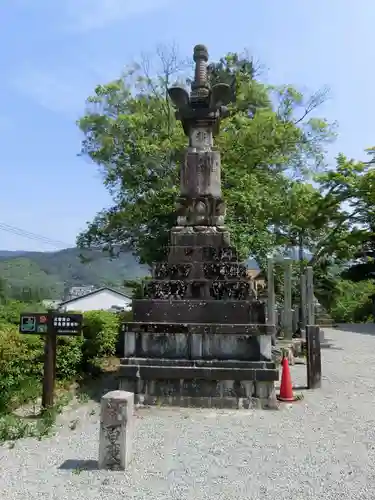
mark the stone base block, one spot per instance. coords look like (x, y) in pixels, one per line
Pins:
(200, 341)
(207, 384)
(116, 430)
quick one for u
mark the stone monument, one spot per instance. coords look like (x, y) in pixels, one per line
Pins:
(116, 430)
(199, 335)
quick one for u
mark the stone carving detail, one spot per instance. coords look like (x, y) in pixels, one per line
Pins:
(224, 270)
(227, 254)
(204, 210)
(164, 270)
(112, 435)
(239, 290)
(165, 290)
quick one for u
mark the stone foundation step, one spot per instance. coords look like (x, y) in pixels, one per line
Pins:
(157, 372)
(165, 327)
(230, 363)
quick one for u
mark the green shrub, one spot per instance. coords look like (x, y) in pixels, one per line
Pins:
(69, 357)
(21, 365)
(11, 310)
(352, 304)
(22, 356)
(101, 330)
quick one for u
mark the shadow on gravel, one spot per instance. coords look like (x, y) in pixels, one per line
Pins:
(79, 465)
(363, 328)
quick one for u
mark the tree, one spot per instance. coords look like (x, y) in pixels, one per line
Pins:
(130, 131)
(352, 186)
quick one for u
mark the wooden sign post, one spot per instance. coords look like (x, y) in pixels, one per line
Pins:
(51, 325)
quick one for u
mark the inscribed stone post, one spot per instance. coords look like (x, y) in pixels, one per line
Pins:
(303, 304)
(310, 296)
(271, 313)
(116, 430)
(288, 318)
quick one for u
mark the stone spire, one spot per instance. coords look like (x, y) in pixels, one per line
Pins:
(200, 203)
(205, 106)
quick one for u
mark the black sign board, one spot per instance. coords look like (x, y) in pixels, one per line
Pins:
(51, 325)
(67, 324)
(58, 323)
(314, 362)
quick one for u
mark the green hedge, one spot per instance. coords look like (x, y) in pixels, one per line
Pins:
(21, 356)
(21, 365)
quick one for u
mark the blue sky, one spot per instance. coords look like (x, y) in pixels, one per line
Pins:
(54, 53)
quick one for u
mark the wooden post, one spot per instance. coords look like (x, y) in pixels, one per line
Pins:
(49, 370)
(288, 319)
(49, 374)
(310, 296)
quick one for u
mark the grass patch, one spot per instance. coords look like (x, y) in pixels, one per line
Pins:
(14, 427)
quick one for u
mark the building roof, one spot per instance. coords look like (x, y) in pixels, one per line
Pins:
(94, 292)
(254, 273)
(74, 292)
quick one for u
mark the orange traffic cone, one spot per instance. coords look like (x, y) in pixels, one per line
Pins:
(286, 388)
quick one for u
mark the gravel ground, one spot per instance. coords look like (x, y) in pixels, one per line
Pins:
(322, 447)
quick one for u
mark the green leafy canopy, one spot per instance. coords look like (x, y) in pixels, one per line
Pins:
(130, 131)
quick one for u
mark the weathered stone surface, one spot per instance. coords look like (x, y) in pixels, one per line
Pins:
(198, 311)
(206, 393)
(116, 430)
(195, 328)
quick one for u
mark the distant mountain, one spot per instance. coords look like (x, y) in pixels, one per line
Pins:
(12, 253)
(54, 272)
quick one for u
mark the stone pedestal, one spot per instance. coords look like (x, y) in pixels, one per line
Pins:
(116, 430)
(199, 336)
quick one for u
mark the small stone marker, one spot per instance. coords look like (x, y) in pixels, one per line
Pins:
(116, 430)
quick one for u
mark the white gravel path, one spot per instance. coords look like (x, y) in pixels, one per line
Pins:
(322, 447)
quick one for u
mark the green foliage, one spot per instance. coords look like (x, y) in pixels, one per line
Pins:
(21, 356)
(353, 303)
(101, 331)
(136, 287)
(131, 133)
(40, 275)
(69, 357)
(13, 427)
(11, 310)
(20, 366)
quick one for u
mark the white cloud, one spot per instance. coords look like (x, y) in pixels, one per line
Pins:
(87, 15)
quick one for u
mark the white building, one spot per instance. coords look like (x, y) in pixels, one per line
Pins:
(98, 300)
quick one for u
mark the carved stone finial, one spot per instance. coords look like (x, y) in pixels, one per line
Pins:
(205, 106)
(200, 88)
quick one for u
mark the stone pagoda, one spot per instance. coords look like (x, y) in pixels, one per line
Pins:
(198, 336)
